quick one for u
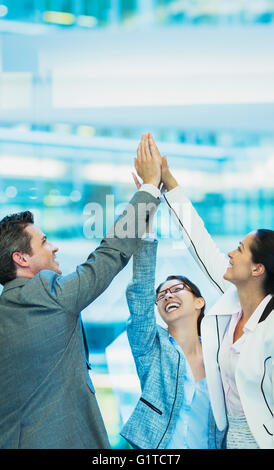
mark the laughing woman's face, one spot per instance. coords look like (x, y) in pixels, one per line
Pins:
(176, 301)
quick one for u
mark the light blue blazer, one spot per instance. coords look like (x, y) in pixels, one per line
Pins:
(159, 365)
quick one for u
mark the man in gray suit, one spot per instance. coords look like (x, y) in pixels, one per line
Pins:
(47, 400)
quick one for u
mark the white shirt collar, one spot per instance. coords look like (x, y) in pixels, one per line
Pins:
(256, 315)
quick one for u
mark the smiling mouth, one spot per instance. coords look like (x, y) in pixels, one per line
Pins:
(171, 307)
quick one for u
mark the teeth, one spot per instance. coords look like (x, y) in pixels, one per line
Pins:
(171, 307)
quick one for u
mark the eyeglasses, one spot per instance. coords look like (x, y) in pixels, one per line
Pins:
(173, 290)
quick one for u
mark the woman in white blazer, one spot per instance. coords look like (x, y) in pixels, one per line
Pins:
(238, 332)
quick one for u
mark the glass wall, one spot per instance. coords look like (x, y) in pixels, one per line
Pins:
(129, 13)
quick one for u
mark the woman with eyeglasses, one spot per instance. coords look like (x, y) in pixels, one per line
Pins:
(174, 410)
(238, 331)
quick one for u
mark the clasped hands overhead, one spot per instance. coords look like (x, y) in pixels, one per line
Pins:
(151, 167)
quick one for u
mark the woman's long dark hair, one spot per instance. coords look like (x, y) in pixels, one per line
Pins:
(195, 291)
(262, 250)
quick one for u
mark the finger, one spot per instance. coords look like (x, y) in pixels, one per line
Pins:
(137, 165)
(139, 153)
(136, 181)
(140, 150)
(151, 140)
(143, 148)
(146, 148)
(164, 162)
(153, 147)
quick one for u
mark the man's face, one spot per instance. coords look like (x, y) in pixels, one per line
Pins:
(43, 252)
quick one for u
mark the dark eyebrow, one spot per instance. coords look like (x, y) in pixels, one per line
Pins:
(241, 243)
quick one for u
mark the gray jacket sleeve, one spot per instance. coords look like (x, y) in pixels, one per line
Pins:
(77, 290)
(140, 293)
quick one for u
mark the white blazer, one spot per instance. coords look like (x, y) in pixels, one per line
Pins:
(255, 369)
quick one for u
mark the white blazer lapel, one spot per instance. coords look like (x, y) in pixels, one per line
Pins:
(212, 329)
(227, 304)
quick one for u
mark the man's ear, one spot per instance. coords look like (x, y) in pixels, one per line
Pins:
(20, 259)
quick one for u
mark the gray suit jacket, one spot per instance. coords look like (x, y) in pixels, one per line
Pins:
(47, 400)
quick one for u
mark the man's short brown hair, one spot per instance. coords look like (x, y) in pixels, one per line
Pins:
(13, 237)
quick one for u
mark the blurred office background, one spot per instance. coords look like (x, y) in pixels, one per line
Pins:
(80, 80)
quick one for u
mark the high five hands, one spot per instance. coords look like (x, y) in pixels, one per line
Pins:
(151, 167)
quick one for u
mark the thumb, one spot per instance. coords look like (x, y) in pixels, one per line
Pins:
(164, 163)
(136, 181)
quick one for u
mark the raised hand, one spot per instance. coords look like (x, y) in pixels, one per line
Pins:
(147, 165)
(138, 184)
(167, 179)
(153, 148)
(136, 181)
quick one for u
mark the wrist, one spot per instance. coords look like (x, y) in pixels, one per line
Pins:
(151, 181)
(170, 184)
(169, 187)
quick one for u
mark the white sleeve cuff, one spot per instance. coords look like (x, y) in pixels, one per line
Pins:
(176, 195)
(151, 189)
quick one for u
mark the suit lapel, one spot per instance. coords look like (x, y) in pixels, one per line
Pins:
(227, 304)
(268, 309)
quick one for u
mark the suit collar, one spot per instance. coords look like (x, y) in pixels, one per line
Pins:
(18, 282)
(227, 304)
